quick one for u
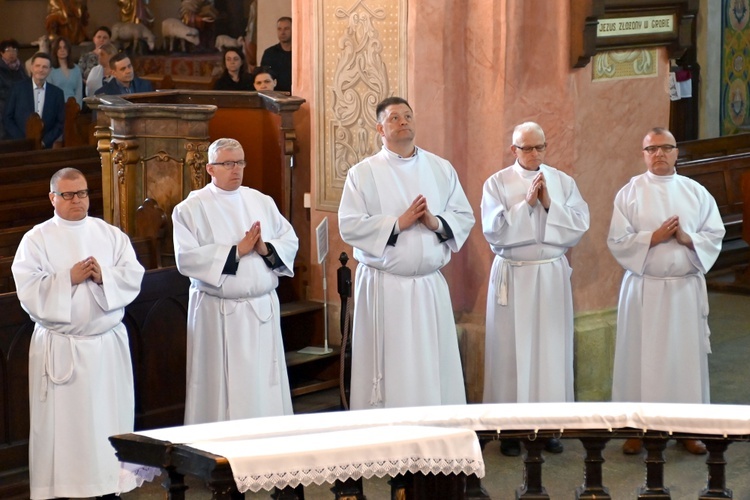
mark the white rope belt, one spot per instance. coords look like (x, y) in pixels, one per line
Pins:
(701, 297)
(502, 287)
(48, 366)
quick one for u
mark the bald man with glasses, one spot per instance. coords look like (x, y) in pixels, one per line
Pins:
(666, 233)
(75, 275)
(233, 244)
(531, 215)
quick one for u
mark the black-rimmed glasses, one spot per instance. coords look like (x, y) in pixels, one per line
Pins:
(665, 148)
(68, 195)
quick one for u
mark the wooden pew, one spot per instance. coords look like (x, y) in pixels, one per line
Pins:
(714, 148)
(10, 238)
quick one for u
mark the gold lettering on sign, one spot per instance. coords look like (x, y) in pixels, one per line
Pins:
(642, 25)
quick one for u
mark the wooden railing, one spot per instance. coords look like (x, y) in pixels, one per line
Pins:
(593, 424)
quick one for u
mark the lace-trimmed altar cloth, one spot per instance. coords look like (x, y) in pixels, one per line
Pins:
(329, 456)
(669, 417)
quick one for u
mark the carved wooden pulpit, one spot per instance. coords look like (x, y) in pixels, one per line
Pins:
(149, 151)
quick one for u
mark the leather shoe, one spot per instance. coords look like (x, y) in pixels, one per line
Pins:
(553, 445)
(510, 447)
(694, 446)
(632, 446)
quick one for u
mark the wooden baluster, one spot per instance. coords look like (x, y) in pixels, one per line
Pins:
(532, 488)
(402, 486)
(289, 493)
(431, 486)
(474, 488)
(351, 489)
(593, 487)
(716, 487)
(175, 485)
(654, 487)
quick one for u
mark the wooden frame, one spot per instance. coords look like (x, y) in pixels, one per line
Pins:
(587, 15)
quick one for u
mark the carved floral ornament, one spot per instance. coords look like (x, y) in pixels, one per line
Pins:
(362, 44)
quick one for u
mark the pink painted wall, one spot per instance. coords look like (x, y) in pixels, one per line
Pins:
(478, 68)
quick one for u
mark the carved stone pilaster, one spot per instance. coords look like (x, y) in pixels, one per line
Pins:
(362, 56)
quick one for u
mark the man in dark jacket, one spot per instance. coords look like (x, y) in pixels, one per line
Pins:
(11, 71)
(124, 81)
(36, 96)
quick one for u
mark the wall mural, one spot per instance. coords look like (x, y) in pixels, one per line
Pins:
(735, 64)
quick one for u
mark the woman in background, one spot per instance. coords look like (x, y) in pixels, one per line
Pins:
(65, 73)
(235, 75)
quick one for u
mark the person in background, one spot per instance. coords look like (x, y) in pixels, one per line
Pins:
(404, 212)
(101, 73)
(263, 79)
(36, 96)
(65, 74)
(233, 244)
(90, 59)
(666, 232)
(279, 57)
(235, 75)
(532, 214)
(75, 275)
(11, 71)
(124, 81)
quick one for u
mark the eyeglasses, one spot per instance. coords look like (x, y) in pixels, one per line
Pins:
(528, 149)
(10, 49)
(229, 165)
(68, 195)
(665, 148)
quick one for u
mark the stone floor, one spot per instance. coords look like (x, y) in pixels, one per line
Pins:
(685, 474)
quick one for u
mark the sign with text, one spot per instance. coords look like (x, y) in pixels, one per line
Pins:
(642, 25)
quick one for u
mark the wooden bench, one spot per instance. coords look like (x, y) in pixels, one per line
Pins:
(714, 148)
(722, 177)
(10, 238)
(169, 82)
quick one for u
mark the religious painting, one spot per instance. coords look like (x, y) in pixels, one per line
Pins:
(735, 67)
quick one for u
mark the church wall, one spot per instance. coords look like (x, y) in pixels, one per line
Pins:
(475, 69)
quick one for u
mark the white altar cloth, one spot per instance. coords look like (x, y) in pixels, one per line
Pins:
(265, 463)
(720, 420)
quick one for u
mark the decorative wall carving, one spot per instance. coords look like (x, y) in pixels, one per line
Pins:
(362, 60)
(196, 159)
(632, 63)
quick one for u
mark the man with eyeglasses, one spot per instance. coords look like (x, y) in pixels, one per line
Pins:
(233, 244)
(531, 215)
(74, 275)
(666, 232)
(11, 71)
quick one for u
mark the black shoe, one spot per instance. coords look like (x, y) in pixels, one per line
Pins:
(510, 447)
(553, 446)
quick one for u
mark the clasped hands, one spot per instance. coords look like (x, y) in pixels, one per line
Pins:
(88, 268)
(668, 229)
(252, 241)
(418, 212)
(538, 192)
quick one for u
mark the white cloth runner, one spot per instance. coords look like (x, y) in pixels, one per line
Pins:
(669, 417)
(284, 461)
(720, 420)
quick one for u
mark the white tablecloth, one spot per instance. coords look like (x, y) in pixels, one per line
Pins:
(265, 463)
(721, 420)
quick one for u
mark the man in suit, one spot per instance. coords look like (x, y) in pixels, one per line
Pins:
(124, 81)
(37, 96)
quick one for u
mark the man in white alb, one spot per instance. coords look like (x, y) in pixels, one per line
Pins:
(531, 215)
(74, 275)
(666, 232)
(404, 212)
(233, 244)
